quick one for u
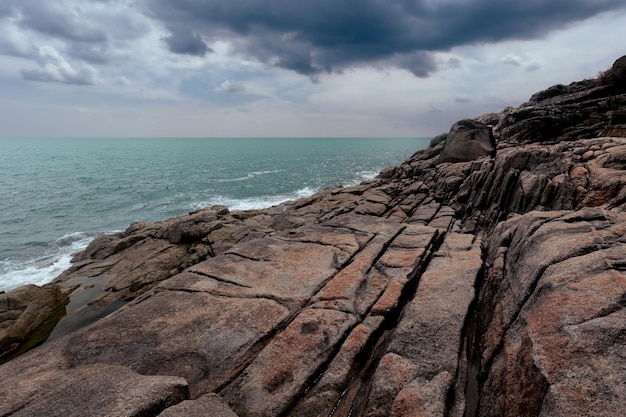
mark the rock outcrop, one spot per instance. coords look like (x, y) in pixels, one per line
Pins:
(467, 140)
(28, 315)
(494, 286)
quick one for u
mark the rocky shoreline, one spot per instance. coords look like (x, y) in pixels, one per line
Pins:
(482, 277)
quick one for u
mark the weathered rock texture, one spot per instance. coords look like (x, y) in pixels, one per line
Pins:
(489, 287)
(27, 316)
(467, 140)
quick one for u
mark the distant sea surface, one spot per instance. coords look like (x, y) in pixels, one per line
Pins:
(56, 195)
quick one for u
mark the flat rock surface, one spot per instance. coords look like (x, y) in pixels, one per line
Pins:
(50, 388)
(424, 349)
(207, 405)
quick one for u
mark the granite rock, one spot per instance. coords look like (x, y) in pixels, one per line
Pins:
(467, 140)
(27, 316)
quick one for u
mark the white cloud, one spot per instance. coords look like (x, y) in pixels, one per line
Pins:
(13, 41)
(512, 59)
(230, 87)
(517, 61)
(121, 81)
(55, 68)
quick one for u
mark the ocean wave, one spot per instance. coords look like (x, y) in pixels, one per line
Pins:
(46, 267)
(265, 201)
(276, 171)
(54, 257)
(254, 203)
(250, 175)
(74, 239)
(364, 176)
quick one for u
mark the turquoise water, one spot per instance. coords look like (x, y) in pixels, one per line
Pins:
(58, 194)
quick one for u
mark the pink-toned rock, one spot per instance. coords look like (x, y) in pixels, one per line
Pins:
(341, 291)
(491, 287)
(288, 270)
(429, 333)
(392, 374)
(208, 405)
(281, 371)
(423, 398)
(337, 388)
(390, 298)
(557, 348)
(53, 390)
(371, 208)
(425, 213)
(201, 337)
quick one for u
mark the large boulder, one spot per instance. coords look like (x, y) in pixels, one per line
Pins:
(24, 313)
(468, 140)
(619, 70)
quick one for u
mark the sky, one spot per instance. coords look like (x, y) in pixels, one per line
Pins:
(288, 68)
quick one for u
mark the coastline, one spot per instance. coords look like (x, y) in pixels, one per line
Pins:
(471, 280)
(171, 177)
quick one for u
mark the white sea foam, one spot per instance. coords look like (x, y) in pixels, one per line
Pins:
(363, 176)
(250, 175)
(254, 203)
(276, 171)
(45, 268)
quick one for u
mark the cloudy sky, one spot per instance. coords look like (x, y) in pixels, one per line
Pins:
(222, 68)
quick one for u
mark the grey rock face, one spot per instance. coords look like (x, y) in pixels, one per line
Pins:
(25, 312)
(619, 70)
(468, 140)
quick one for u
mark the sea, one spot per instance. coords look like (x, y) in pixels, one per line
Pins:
(57, 195)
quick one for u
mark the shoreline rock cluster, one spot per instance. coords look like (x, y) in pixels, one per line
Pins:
(485, 276)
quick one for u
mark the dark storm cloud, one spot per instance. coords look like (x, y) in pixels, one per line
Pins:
(97, 54)
(46, 76)
(187, 43)
(5, 9)
(53, 19)
(311, 37)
